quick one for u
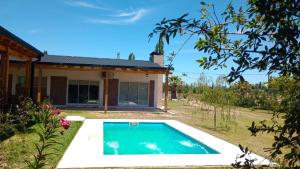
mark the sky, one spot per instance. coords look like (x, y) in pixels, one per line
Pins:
(98, 28)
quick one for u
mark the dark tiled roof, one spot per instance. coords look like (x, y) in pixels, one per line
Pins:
(155, 53)
(100, 62)
(12, 36)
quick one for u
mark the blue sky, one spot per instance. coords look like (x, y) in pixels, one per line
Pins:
(99, 28)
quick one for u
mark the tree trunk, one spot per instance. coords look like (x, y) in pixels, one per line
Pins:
(215, 117)
(173, 93)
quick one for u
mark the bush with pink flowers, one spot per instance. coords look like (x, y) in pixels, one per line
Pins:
(52, 125)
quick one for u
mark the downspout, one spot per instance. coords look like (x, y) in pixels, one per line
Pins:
(32, 75)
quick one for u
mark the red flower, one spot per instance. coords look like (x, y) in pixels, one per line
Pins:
(56, 112)
(46, 107)
(64, 123)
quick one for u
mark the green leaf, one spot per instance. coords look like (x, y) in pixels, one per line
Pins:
(241, 148)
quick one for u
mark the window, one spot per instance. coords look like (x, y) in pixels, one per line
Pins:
(73, 91)
(93, 92)
(143, 94)
(20, 86)
(133, 93)
(83, 91)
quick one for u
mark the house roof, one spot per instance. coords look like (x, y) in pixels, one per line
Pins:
(12, 36)
(98, 62)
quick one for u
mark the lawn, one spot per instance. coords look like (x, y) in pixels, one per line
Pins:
(15, 150)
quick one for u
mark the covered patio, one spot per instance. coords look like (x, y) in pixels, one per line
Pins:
(14, 48)
(110, 100)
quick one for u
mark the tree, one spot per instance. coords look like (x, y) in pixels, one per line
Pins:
(263, 35)
(175, 83)
(202, 83)
(159, 48)
(118, 55)
(244, 97)
(131, 56)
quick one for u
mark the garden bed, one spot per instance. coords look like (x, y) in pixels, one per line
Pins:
(20, 147)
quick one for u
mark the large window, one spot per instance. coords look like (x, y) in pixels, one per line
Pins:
(83, 91)
(93, 92)
(20, 85)
(133, 93)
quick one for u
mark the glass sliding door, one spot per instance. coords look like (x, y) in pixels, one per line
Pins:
(133, 93)
(93, 92)
(73, 91)
(83, 92)
(123, 96)
(143, 94)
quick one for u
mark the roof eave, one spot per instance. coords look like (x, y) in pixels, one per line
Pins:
(10, 35)
(104, 66)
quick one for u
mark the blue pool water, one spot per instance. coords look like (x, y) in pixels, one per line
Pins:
(121, 138)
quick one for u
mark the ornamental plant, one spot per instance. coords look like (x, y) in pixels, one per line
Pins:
(51, 125)
(24, 114)
(17, 119)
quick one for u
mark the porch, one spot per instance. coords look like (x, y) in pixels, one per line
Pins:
(94, 87)
(104, 88)
(14, 48)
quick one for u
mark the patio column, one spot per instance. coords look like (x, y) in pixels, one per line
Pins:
(39, 85)
(106, 93)
(4, 74)
(27, 77)
(166, 90)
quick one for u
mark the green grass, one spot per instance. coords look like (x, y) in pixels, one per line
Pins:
(236, 131)
(15, 150)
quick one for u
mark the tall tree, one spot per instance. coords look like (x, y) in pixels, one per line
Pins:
(131, 56)
(175, 83)
(159, 48)
(263, 35)
(118, 55)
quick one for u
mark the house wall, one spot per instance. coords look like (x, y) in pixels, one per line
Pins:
(72, 75)
(94, 76)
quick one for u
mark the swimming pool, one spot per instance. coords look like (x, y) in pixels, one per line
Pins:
(124, 138)
(127, 143)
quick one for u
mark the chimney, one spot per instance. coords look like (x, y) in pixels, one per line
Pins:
(45, 53)
(157, 58)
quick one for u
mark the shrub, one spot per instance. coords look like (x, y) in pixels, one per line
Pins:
(50, 123)
(18, 118)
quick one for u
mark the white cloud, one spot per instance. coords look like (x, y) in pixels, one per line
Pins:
(124, 14)
(137, 15)
(121, 17)
(84, 4)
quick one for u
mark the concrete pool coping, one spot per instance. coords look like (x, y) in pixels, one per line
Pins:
(86, 149)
